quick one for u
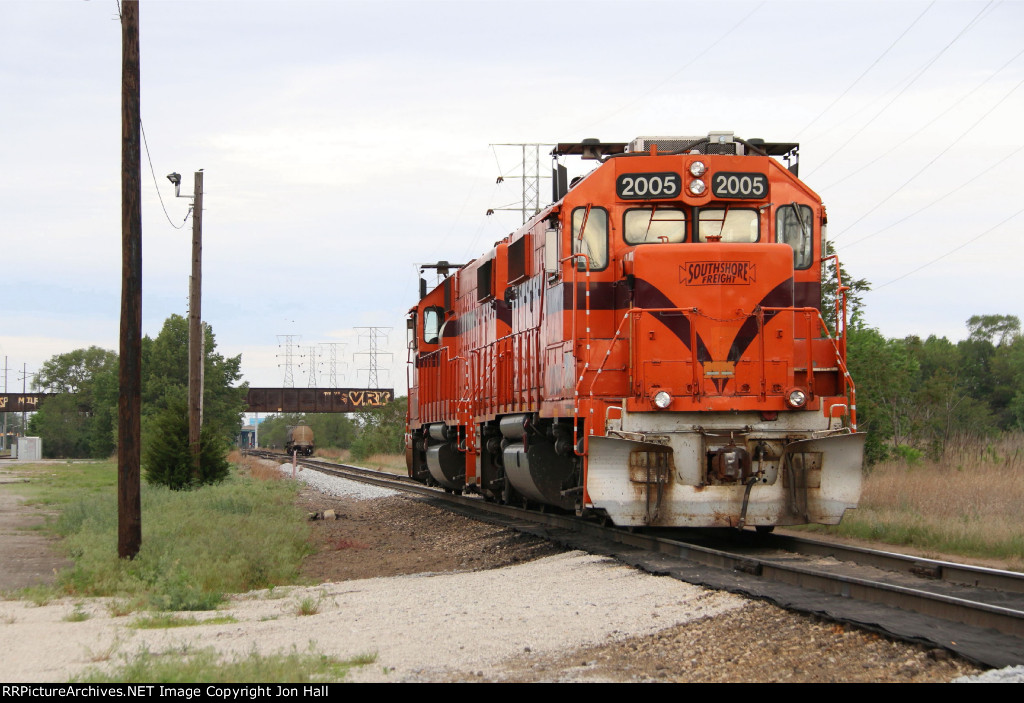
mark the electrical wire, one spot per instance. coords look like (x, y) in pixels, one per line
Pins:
(157, 185)
(700, 54)
(928, 124)
(924, 168)
(848, 245)
(951, 251)
(914, 79)
(867, 70)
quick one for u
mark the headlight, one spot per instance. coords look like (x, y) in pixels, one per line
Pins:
(697, 169)
(662, 399)
(697, 187)
(796, 398)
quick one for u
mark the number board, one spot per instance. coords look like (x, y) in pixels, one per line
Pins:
(648, 186)
(740, 185)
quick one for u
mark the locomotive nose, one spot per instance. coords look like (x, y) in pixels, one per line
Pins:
(708, 327)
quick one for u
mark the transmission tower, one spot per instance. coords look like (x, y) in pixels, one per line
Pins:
(531, 178)
(331, 350)
(312, 372)
(373, 335)
(286, 341)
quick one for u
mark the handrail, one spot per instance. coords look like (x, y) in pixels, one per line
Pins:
(586, 363)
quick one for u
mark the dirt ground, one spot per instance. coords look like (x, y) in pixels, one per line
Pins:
(27, 555)
(396, 535)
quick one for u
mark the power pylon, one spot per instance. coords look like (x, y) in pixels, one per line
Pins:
(286, 341)
(373, 335)
(331, 350)
(531, 177)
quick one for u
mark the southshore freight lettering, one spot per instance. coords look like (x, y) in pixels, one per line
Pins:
(707, 273)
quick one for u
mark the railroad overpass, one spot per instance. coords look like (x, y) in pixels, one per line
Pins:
(258, 400)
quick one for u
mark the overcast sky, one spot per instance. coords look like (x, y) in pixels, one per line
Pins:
(345, 142)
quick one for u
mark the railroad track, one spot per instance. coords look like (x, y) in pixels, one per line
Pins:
(974, 611)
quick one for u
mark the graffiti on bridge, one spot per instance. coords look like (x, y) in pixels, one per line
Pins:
(314, 400)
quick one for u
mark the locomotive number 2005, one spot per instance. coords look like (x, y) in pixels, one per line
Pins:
(647, 186)
(739, 185)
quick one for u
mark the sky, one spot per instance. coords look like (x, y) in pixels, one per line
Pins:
(344, 143)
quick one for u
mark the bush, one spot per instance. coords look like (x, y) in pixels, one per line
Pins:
(167, 460)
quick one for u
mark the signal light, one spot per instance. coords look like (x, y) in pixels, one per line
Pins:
(697, 169)
(697, 186)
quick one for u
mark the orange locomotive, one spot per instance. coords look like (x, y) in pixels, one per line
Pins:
(649, 348)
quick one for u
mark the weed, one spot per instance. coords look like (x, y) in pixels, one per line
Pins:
(122, 606)
(105, 653)
(162, 621)
(39, 595)
(77, 615)
(309, 605)
(188, 665)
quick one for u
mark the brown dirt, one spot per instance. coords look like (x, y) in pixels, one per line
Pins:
(28, 557)
(395, 536)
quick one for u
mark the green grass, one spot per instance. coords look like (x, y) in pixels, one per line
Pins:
(197, 546)
(164, 621)
(77, 615)
(308, 605)
(205, 666)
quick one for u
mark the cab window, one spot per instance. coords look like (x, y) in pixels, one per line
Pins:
(432, 318)
(731, 224)
(591, 239)
(647, 225)
(793, 226)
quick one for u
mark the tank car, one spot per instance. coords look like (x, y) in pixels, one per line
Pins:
(650, 348)
(299, 439)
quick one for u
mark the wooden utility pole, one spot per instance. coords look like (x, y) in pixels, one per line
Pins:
(196, 336)
(129, 404)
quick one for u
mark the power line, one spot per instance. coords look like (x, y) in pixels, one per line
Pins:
(867, 70)
(928, 124)
(699, 55)
(905, 88)
(847, 245)
(951, 251)
(156, 185)
(924, 168)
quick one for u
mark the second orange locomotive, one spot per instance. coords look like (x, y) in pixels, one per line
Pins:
(649, 348)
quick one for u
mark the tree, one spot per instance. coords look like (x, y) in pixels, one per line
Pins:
(165, 405)
(381, 430)
(994, 329)
(165, 377)
(168, 461)
(829, 292)
(83, 422)
(883, 371)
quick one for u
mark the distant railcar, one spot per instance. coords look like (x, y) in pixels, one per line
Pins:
(650, 348)
(300, 439)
